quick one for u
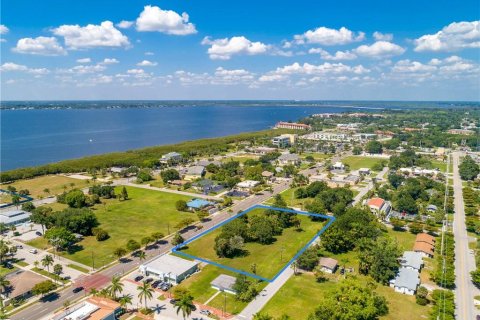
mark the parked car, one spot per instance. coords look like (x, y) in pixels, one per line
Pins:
(19, 246)
(173, 301)
(138, 278)
(77, 289)
(148, 280)
(205, 312)
(38, 233)
(156, 283)
(34, 251)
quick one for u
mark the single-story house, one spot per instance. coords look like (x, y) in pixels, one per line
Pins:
(173, 157)
(94, 308)
(364, 171)
(262, 150)
(169, 268)
(247, 185)
(425, 237)
(194, 172)
(406, 281)
(412, 260)
(14, 217)
(378, 205)
(224, 283)
(338, 166)
(197, 204)
(21, 284)
(205, 163)
(268, 175)
(351, 179)
(289, 158)
(328, 265)
(116, 169)
(424, 248)
(206, 186)
(237, 193)
(432, 208)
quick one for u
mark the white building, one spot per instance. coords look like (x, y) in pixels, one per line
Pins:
(247, 185)
(406, 281)
(412, 260)
(289, 158)
(169, 268)
(14, 217)
(327, 136)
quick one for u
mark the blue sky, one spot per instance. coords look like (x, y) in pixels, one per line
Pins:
(408, 50)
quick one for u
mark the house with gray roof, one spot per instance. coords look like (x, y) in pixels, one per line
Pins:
(289, 158)
(224, 283)
(14, 217)
(406, 281)
(194, 172)
(173, 157)
(412, 260)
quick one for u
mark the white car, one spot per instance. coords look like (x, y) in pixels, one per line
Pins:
(34, 251)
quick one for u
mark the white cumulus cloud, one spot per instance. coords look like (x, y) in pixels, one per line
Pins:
(339, 55)
(147, 63)
(382, 36)
(329, 37)
(455, 36)
(10, 66)
(84, 60)
(45, 46)
(110, 61)
(152, 18)
(124, 24)
(379, 49)
(91, 36)
(3, 29)
(224, 49)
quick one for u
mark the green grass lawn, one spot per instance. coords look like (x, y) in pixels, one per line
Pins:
(306, 293)
(405, 239)
(240, 159)
(4, 271)
(146, 211)
(317, 156)
(289, 196)
(56, 206)
(357, 162)
(40, 243)
(442, 166)
(200, 288)
(268, 258)
(54, 183)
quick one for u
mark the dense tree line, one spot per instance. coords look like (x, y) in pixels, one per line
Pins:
(325, 199)
(445, 279)
(468, 169)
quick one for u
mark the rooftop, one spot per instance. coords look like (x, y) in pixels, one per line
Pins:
(407, 278)
(223, 282)
(289, 157)
(94, 308)
(412, 259)
(248, 184)
(424, 237)
(170, 264)
(423, 247)
(195, 170)
(10, 217)
(376, 202)
(328, 263)
(23, 281)
(198, 203)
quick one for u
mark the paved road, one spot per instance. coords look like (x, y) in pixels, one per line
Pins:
(464, 259)
(40, 310)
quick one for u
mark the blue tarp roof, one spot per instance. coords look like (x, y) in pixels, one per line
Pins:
(198, 203)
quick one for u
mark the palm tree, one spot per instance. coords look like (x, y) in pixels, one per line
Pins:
(185, 304)
(146, 241)
(58, 269)
(116, 287)
(145, 292)
(125, 300)
(47, 261)
(119, 252)
(142, 256)
(94, 292)
(4, 283)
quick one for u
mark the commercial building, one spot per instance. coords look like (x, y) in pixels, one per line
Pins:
(281, 141)
(14, 217)
(94, 308)
(464, 132)
(292, 125)
(327, 136)
(169, 268)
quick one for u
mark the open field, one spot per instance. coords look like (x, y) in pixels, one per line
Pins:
(241, 159)
(307, 293)
(357, 162)
(146, 211)
(54, 183)
(405, 239)
(289, 197)
(317, 156)
(199, 287)
(268, 258)
(442, 166)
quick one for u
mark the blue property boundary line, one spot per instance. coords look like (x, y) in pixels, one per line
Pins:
(302, 250)
(6, 205)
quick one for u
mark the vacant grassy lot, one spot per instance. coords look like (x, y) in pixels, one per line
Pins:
(146, 211)
(442, 166)
(317, 156)
(54, 183)
(289, 197)
(357, 162)
(241, 159)
(307, 293)
(268, 258)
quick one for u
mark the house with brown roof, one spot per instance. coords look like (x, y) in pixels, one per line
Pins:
(424, 248)
(328, 265)
(424, 237)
